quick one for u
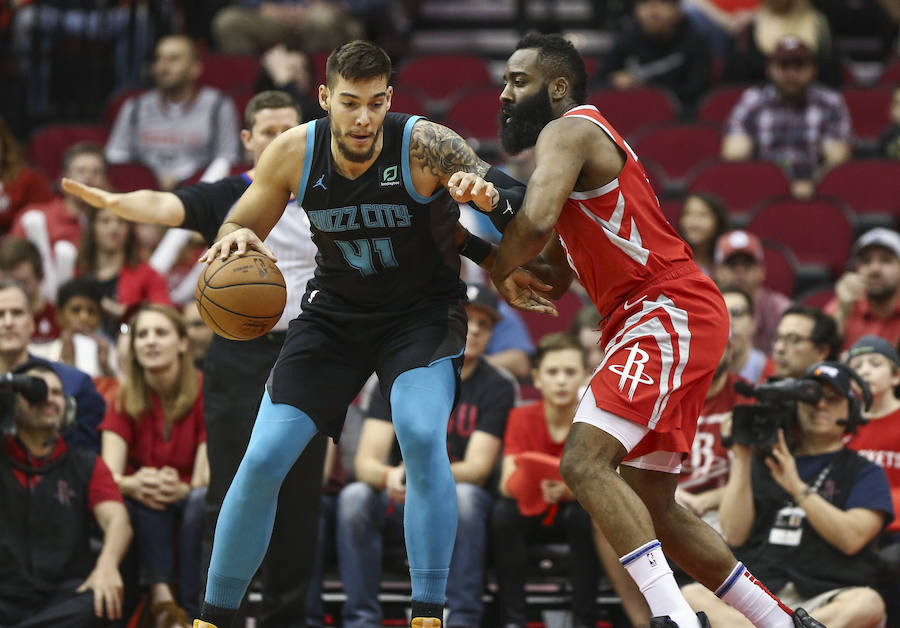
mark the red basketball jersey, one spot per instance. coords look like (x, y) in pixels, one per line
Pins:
(616, 237)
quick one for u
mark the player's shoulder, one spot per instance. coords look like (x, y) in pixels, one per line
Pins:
(570, 131)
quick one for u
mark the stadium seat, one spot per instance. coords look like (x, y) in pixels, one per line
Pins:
(49, 143)
(740, 184)
(539, 325)
(408, 100)
(474, 115)
(671, 209)
(819, 231)
(717, 105)
(130, 177)
(817, 297)
(440, 76)
(656, 175)
(870, 187)
(891, 74)
(632, 109)
(240, 96)
(781, 267)
(869, 111)
(678, 148)
(227, 71)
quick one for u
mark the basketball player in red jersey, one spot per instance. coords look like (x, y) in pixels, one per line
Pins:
(589, 211)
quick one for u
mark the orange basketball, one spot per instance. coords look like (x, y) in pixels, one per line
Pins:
(241, 298)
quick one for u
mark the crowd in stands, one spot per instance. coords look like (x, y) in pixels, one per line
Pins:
(100, 308)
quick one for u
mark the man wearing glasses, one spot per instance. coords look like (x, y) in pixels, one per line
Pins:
(805, 335)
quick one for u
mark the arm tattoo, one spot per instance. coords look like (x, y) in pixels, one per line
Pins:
(441, 151)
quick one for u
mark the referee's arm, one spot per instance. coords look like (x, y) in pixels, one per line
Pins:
(163, 208)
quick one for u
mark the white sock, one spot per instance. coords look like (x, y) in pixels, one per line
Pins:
(648, 567)
(748, 595)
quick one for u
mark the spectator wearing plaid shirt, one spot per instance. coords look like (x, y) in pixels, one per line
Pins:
(799, 124)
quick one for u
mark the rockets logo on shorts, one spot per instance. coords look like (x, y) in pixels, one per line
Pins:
(636, 360)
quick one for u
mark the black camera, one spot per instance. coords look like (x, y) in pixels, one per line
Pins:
(757, 425)
(34, 389)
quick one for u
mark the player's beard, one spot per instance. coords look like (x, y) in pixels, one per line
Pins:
(526, 121)
(359, 158)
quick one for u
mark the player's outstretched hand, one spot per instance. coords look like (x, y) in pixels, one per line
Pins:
(467, 187)
(521, 289)
(95, 197)
(238, 242)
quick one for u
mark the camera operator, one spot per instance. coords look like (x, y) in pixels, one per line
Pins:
(806, 520)
(49, 492)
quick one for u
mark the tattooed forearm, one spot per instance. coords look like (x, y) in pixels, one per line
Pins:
(441, 152)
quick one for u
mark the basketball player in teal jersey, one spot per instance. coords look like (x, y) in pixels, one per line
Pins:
(386, 297)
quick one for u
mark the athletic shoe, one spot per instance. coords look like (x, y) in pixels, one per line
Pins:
(803, 620)
(425, 622)
(203, 624)
(665, 622)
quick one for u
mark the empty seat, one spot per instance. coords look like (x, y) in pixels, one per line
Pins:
(867, 186)
(869, 111)
(717, 105)
(227, 71)
(678, 148)
(819, 231)
(781, 267)
(408, 100)
(539, 325)
(440, 76)
(474, 115)
(629, 110)
(130, 177)
(740, 184)
(49, 143)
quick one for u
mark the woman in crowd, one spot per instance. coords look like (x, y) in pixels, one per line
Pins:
(109, 254)
(20, 184)
(703, 219)
(154, 442)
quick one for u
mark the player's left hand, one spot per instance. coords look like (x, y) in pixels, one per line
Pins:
(783, 467)
(467, 187)
(522, 289)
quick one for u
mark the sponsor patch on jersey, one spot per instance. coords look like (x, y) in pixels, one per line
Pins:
(389, 177)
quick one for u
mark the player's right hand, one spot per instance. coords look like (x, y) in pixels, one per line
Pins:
(521, 290)
(238, 242)
(96, 197)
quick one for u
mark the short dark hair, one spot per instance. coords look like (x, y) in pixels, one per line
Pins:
(83, 148)
(735, 289)
(557, 341)
(86, 287)
(14, 251)
(558, 57)
(7, 284)
(270, 99)
(355, 60)
(719, 210)
(824, 332)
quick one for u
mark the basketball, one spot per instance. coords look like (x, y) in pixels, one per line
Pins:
(241, 298)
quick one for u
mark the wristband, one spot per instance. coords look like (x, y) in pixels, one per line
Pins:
(475, 248)
(806, 492)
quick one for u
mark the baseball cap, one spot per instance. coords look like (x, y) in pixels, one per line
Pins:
(874, 344)
(792, 48)
(834, 373)
(483, 297)
(738, 241)
(879, 236)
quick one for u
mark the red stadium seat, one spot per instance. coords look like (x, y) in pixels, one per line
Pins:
(656, 175)
(817, 297)
(539, 325)
(439, 76)
(868, 111)
(474, 114)
(868, 186)
(717, 105)
(671, 209)
(227, 72)
(408, 100)
(631, 109)
(740, 184)
(819, 231)
(130, 177)
(678, 148)
(49, 143)
(781, 267)
(240, 96)
(891, 74)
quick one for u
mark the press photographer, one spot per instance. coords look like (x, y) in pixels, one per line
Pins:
(804, 519)
(49, 492)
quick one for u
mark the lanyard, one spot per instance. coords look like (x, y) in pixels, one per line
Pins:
(814, 488)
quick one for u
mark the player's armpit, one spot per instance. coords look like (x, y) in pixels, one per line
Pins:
(437, 151)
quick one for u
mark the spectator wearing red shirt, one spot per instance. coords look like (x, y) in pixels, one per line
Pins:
(20, 185)
(48, 575)
(560, 369)
(740, 262)
(745, 360)
(64, 215)
(878, 364)
(867, 300)
(154, 441)
(20, 260)
(109, 254)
